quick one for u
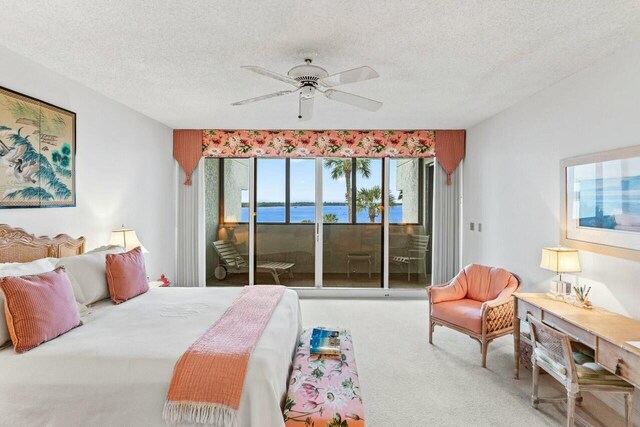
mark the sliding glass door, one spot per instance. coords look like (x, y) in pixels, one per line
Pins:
(227, 221)
(285, 221)
(410, 196)
(352, 215)
(324, 223)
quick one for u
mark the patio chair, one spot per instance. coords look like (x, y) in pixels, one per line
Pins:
(553, 352)
(230, 262)
(415, 251)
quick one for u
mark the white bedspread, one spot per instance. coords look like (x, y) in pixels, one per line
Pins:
(116, 368)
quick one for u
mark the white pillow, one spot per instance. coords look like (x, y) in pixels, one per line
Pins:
(43, 265)
(104, 248)
(88, 275)
(24, 268)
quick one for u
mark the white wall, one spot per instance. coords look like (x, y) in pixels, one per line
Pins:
(512, 183)
(124, 168)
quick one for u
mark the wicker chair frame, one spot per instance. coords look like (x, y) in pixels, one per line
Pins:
(497, 321)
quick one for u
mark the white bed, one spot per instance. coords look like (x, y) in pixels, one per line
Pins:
(116, 368)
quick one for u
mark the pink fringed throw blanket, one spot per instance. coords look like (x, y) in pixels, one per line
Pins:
(208, 379)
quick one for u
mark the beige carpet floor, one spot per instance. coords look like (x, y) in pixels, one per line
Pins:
(406, 382)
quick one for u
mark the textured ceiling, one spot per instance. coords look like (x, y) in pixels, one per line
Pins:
(442, 64)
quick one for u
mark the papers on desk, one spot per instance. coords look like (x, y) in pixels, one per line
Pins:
(634, 343)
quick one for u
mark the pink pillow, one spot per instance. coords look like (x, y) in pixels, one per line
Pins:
(126, 275)
(38, 308)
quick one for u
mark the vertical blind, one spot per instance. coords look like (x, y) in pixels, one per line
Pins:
(446, 225)
(189, 271)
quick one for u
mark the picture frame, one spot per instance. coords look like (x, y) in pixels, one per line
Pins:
(600, 203)
(37, 153)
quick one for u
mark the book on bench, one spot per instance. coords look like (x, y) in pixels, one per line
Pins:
(325, 342)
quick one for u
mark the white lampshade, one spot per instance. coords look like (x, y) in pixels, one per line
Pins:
(230, 219)
(127, 238)
(560, 260)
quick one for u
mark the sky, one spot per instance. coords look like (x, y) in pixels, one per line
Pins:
(271, 181)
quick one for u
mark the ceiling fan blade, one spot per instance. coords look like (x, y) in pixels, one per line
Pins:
(350, 76)
(306, 108)
(351, 99)
(260, 98)
(273, 75)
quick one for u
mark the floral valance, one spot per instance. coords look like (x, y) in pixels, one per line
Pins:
(318, 143)
(447, 146)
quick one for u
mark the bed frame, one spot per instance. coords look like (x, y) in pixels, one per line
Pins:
(16, 245)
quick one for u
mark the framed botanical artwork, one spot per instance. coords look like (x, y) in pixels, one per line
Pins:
(600, 206)
(37, 153)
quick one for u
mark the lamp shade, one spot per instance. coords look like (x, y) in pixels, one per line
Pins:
(127, 238)
(560, 260)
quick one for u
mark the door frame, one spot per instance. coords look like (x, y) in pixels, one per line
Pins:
(319, 224)
(318, 289)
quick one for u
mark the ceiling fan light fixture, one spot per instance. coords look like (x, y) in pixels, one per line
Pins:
(307, 91)
(307, 78)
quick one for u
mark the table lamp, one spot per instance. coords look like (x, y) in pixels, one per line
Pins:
(127, 238)
(560, 260)
(230, 224)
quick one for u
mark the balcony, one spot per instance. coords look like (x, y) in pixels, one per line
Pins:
(353, 239)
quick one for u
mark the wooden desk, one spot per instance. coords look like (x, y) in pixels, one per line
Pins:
(605, 332)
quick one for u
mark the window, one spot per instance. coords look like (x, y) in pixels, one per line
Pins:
(368, 191)
(349, 249)
(231, 185)
(410, 195)
(235, 190)
(352, 191)
(337, 179)
(302, 184)
(271, 189)
(285, 190)
(284, 231)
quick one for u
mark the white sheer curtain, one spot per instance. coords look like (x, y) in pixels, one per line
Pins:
(446, 225)
(190, 271)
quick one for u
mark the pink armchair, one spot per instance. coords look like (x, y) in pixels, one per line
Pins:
(476, 302)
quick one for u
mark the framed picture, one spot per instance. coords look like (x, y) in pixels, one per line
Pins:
(600, 206)
(37, 153)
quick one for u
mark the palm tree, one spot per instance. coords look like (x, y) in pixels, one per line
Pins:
(342, 168)
(329, 218)
(370, 199)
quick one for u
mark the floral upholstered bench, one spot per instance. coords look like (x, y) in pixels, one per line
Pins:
(324, 391)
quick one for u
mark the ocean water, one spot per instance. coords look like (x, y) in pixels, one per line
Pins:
(301, 213)
(601, 201)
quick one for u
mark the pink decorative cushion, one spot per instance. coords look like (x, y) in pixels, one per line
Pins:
(477, 282)
(486, 283)
(455, 290)
(465, 312)
(38, 308)
(126, 275)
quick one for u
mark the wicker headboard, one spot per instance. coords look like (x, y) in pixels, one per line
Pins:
(16, 245)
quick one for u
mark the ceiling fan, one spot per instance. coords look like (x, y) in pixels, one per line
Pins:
(307, 79)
